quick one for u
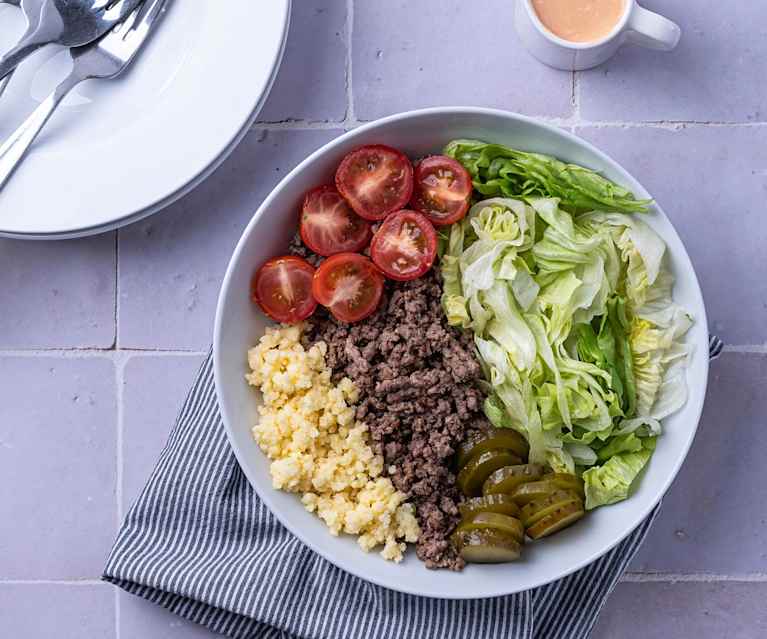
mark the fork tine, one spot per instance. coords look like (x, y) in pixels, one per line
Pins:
(152, 10)
(135, 28)
(147, 14)
(118, 10)
(128, 22)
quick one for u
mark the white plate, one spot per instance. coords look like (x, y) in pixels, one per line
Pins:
(122, 149)
(239, 326)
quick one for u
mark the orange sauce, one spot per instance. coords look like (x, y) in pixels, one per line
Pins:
(579, 20)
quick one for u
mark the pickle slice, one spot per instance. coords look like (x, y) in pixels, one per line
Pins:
(533, 491)
(556, 521)
(494, 521)
(540, 508)
(474, 473)
(497, 438)
(486, 547)
(567, 481)
(505, 480)
(502, 504)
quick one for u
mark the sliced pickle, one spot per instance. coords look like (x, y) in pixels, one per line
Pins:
(497, 438)
(567, 481)
(505, 480)
(556, 521)
(486, 547)
(494, 521)
(547, 485)
(474, 474)
(502, 504)
(540, 508)
(533, 491)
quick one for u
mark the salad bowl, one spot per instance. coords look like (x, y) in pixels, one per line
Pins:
(239, 324)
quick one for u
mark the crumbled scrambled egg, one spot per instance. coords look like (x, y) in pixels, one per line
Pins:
(307, 428)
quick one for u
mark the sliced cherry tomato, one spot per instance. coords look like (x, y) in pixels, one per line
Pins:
(283, 289)
(376, 180)
(405, 246)
(329, 225)
(442, 190)
(350, 285)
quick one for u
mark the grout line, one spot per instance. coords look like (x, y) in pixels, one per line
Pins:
(116, 354)
(673, 125)
(350, 112)
(117, 612)
(572, 121)
(120, 362)
(700, 577)
(301, 125)
(121, 359)
(746, 348)
(117, 289)
(577, 96)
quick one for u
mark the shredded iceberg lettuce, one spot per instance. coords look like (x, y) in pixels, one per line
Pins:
(572, 313)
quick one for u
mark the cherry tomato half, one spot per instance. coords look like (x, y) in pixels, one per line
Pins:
(350, 285)
(329, 225)
(283, 289)
(442, 189)
(405, 246)
(376, 180)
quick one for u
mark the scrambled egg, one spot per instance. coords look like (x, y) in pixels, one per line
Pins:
(307, 428)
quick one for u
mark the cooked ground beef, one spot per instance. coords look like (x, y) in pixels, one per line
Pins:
(418, 394)
(298, 248)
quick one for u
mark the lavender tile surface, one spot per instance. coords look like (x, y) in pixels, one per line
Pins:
(100, 338)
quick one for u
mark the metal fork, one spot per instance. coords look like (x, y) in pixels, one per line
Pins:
(106, 58)
(72, 23)
(33, 13)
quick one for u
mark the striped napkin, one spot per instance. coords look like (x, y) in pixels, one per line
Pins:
(199, 542)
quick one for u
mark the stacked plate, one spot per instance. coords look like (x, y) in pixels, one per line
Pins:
(118, 151)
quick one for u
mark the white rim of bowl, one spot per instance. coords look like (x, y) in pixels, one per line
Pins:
(218, 330)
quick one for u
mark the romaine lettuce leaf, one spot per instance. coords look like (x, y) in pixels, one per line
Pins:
(501, 171)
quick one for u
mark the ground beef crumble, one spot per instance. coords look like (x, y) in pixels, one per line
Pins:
(417, 378)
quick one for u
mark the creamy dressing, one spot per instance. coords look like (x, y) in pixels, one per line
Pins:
(579, 20)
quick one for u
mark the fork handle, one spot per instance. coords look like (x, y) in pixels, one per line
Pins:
(19, 53)
(14, 149)
(4, 83)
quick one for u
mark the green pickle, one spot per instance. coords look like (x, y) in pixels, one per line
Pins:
(494, 521)
(567, 481)
(502, 504)
(495, 439)
(540, 508)
(476, 471)
(547, 485)
(486, 546)
(506, 480)
(559, 519)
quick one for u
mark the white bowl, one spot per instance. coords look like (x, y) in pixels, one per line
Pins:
(239, 324)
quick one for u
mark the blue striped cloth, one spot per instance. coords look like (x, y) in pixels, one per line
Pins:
(199, 542)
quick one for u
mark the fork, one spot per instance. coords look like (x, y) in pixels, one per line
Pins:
(33, 10)
(72, 23)
(104, 59)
